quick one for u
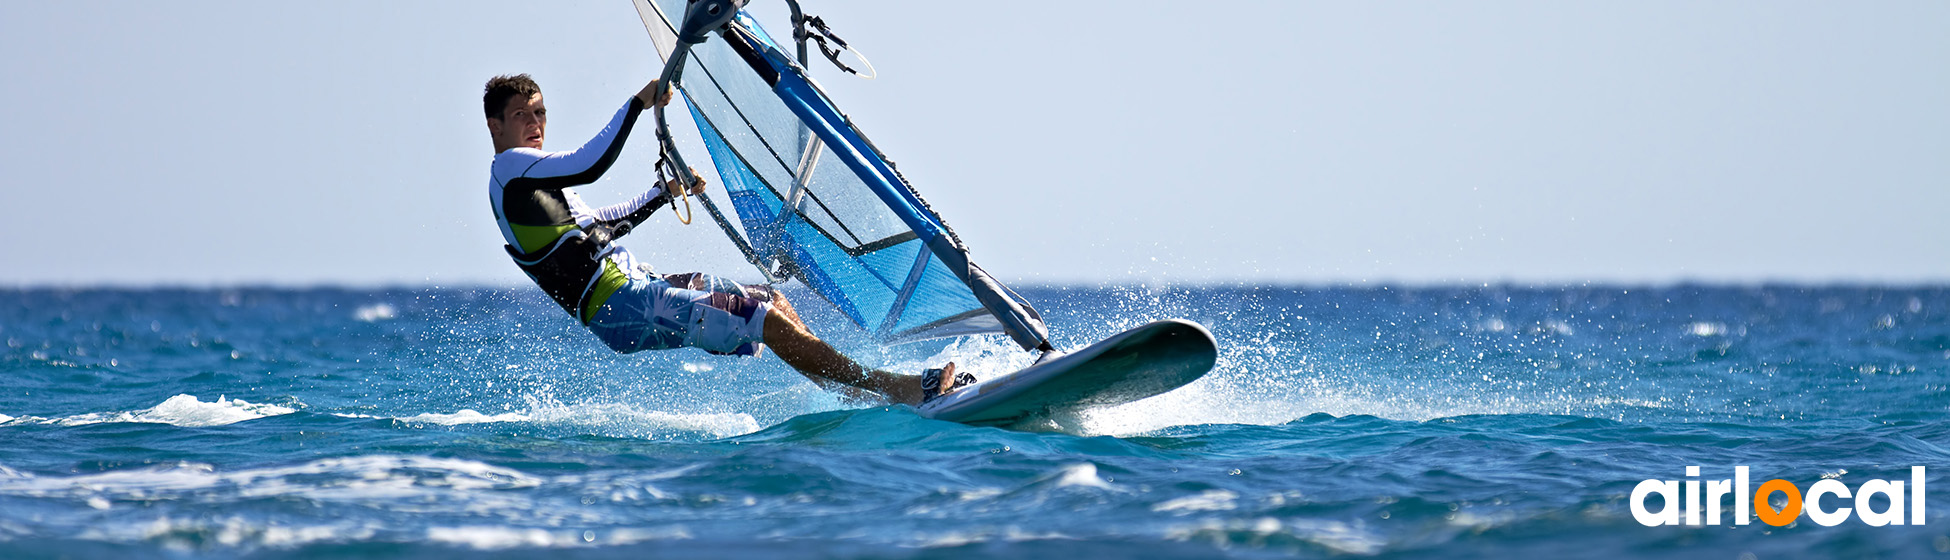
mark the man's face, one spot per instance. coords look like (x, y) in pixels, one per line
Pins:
(522, 124)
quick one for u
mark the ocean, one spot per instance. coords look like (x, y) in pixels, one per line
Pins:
(1455, 422)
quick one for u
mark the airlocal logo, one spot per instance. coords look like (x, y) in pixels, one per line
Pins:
(1716, 489)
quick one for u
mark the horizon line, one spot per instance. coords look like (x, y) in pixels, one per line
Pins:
(1059, 285)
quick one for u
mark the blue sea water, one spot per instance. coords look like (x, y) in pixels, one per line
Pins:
(1483, 422)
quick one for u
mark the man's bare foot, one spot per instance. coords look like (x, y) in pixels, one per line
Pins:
(938, 382)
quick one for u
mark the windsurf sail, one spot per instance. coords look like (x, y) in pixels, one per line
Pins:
(816, 201)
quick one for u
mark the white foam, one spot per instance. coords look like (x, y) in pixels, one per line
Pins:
(182, 410)
(388, 477)
(496, 538)
(1479, 522)
(5, 418)
(977, 535)
(1252, 386)
(1204, 403)
(1209, 500)
(978, 494)
(633, 535)
(1336, 536)
(375, 312)
(236, 531)
(634, 420)
(466, 416)
(608, 418)
(1704, 329)
(1224, 397)
(982, 356)
(1081, 474)
(484, 537)
(1560, 328)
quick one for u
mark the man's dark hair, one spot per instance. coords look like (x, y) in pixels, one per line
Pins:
(502, 88)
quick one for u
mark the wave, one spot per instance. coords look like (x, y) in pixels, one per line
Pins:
(482, 537)
(432, 484)
(616, 419)
(1231, 397)
(375, 313)
(337, 479)
(230, 531)
(181, 410)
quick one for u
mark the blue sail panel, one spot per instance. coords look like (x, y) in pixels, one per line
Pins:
(758, 209)
(816, 201)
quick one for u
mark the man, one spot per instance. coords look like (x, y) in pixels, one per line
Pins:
(569, 249)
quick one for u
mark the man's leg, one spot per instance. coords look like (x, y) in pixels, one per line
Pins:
(788, 336)
(790, 339)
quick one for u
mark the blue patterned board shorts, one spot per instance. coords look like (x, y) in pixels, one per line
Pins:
(691, 309)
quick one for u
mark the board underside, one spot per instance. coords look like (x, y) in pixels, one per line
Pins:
(1135, 364)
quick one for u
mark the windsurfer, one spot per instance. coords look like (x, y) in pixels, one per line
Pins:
(569, 249)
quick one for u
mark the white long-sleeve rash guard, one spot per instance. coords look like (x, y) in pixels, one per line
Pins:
(535, 206)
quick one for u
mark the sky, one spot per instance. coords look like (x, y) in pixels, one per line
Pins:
(1292, 142)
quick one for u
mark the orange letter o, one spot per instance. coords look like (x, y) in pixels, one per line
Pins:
(1783, 516)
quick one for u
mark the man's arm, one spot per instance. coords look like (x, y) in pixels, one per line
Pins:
(560, 170)
(584, 165)
(619, 219)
